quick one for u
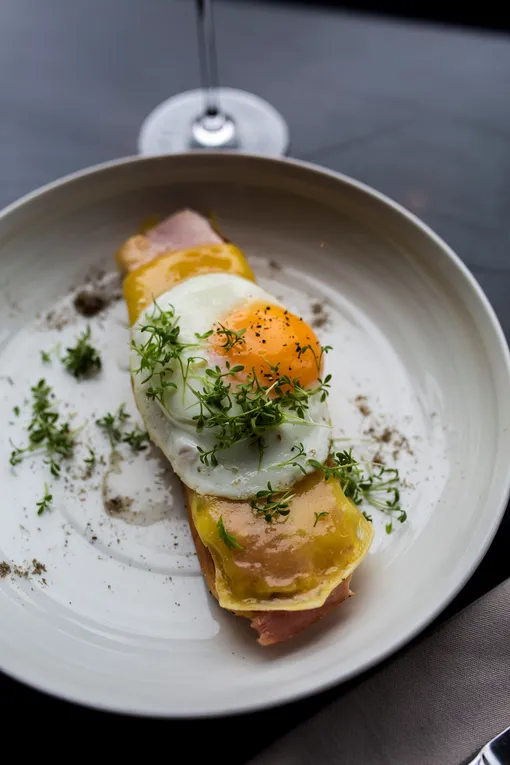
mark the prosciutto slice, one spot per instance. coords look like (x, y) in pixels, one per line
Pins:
(277, 626)
(182, 231)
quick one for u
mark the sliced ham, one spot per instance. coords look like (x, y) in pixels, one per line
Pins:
(180, 231)
(277, 626)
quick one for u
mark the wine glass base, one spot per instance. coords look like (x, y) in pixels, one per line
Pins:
(260, 129)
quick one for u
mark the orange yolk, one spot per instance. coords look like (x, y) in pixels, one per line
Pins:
(273, 336)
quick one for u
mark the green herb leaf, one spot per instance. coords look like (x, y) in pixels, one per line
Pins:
(318, 359)
(368, 482)
(16, 410)
(16, 456)
(227, 538)
(91, 459)
(318, 517)
(45, 433)
(232, 338)
(272, 504)
(205, 335)
(46, 357)
(45, 502)
(248, 410)
(114, 427)
(83, 360)
(112, 424)
(293, 461)
(90, 462)
(137, 439)
(160, 354)
(108, 423)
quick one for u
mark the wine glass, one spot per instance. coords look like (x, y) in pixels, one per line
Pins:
(213, 117)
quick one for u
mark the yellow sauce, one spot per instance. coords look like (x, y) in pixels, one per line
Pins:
(291, 564)
(152, 279)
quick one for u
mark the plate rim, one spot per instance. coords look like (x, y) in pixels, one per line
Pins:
(502, 352)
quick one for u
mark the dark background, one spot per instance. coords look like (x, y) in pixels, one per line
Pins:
(418, 110)
(490, 15)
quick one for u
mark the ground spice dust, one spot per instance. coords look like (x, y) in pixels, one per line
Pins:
(5, 569)
(21, 571)
(118, 505)
(392, 437)
(401, 443)
(58, 319)
(98, 295)
(320, 316)
(384, 437)
(361, 403)
(383, 434)
(89, 303)
(36, 568)
(98, 291)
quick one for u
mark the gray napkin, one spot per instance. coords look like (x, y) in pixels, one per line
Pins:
(437, 703)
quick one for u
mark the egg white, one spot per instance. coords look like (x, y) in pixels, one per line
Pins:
(199, 302)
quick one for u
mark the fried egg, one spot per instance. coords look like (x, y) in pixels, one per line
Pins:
(205, 307)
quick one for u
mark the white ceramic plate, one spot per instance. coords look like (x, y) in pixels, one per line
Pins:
(124, 621)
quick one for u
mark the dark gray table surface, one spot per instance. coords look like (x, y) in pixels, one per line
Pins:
(421, 113)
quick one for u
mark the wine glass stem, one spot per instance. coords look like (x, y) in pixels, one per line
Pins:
(208, 59)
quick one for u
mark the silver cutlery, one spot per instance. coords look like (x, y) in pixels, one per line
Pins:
(496, 752)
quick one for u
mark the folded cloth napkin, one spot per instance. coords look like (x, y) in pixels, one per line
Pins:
(437, 703)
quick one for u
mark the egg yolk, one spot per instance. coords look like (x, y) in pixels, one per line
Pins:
(268, 336)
